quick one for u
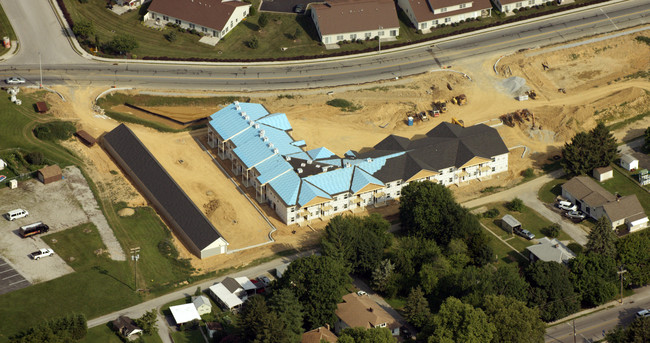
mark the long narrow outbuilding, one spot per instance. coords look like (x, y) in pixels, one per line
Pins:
(159, 188)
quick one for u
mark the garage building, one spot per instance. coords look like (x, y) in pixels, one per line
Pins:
(186, 220)
(49, 174)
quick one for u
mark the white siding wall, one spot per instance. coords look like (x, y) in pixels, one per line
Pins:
(370, 34)
(237, 16)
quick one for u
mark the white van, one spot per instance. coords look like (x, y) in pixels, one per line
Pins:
(16, 214)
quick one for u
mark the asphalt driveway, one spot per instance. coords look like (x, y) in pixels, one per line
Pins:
(285, 6)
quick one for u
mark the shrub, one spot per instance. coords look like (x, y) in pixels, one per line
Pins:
(263, 19)
(576, 248)
(515, 205)
(167, 249)
(171, 36)
(35, 158)
(491, 213)
(528, 173)
(343, 104)
(55, 130)
(253, 43)
(552, 231)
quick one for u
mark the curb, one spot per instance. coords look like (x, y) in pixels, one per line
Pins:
(77, 47)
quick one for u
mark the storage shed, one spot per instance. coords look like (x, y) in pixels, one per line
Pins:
(603, 173)
(644, 177)
(86, 138)
(629, 162)
(49, 174)
(41, 107)
(509, 223)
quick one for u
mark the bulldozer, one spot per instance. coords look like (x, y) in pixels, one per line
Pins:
(531, 94)
(459, 100)
(441, 105)
(457, 122)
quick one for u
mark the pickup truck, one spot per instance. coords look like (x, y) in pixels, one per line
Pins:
(41, 253)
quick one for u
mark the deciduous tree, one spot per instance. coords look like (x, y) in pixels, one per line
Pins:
(514, 322)
(416, 310)
(123, 43)
(285, 304)
(551, 290)
(459, 322)
(259, 323)
(362, 335)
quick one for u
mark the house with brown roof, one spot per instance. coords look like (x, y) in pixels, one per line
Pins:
(319, 335)
(209, 17)
(361, 311)
(507, 6)
(428, 14)
(596, 202)
(350, 20)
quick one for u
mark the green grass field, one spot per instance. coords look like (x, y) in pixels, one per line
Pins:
(6, 30)
(548, 192)
(624, 186)
(105, 334)
(190, 336)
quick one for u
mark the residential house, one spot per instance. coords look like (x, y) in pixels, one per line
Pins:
(209, 17)
(126, 327)
(350, 20)
(644, 177)
(596, 202)
(232, 292)
(319, 335)
(304, 185)
(428, 14)
(361, 311)
(507, 6)
(184, 313)
(629, 162)
(202, 304)
(550, 250)
(509, 223)
(603, 173)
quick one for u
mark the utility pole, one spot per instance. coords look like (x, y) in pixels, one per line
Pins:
(379, 38)
(620, 272)
(574, 331)
(135, 256)
(40, 69)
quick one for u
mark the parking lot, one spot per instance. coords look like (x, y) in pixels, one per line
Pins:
(285, 6)
(10, 279)
(54, 204)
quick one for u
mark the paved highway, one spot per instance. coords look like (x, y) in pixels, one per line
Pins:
(590, 328)
(39, 31)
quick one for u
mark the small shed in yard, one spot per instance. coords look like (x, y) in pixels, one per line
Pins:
(49, 174)
(3, 164)
(86, 138)
(125, 326)
(509, 223)
(202, 304)
(41, 107)
(184, 313)
(629, 162)
(603, 173)
(644, 177)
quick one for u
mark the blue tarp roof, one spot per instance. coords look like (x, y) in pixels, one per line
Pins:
(320, 153)
(228, 122)
(299, 143)
(333, 182)
(361, 179)
(271, 168)
(287, 186)
(277, 120)
(309, 192)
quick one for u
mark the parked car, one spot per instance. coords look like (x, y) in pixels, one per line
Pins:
(576, 215)
(15, 80)
(33, 229)
(567, 207)
(643, 313)
(361, 293)
(16, 214)
(41, 253)
(265, 280)
(525, 233)
(299, 8)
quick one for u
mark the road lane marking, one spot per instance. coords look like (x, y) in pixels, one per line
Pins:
(587, 328)
(601, 9)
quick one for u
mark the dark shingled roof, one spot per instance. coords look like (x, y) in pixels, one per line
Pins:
(213, 14)
(447, 145)
(155, 179)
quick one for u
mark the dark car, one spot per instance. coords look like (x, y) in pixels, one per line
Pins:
(299, 8)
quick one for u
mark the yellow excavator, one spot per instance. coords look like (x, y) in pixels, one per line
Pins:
(457, 122)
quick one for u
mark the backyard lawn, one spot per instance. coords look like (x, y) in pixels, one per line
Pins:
(6, 30)
(548, 192)
(105, 334)
(189, 336)
(624, 186)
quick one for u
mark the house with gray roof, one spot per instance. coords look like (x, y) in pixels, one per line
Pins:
(189, 224)
(550, 250)
(304, 185)
(595, 201)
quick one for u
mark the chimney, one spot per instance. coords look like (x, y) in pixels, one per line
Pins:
(299, 170)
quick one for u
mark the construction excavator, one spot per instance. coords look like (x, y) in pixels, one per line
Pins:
(457, 122)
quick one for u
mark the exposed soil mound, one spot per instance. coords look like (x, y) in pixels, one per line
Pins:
(126, 212)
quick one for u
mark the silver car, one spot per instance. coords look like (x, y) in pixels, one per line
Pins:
(15, 80)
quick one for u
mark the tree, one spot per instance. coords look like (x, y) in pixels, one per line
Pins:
(148, 322)
(35, 158)
(416, 310)
(602, 239)
(633, 255)
(83, 29)
(514, 322)
(171, 36)
(263, 19)
(318, 282)
(637, 332)
(458, 322)
(587, 151)
(551, 290)
(297, 33)
(594, 277)
(259, 324)
(552, 230)
(515, 204)
(646, 140)
(383, 277)
(253, 43)
(289, 310)
(362, 335)
(123, 43)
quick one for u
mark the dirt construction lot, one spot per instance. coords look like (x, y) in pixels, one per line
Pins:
(593, 76)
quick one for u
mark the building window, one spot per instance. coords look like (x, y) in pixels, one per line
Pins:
(399, 183)
(204, 29)
(178, 21)
(339, 38)
(380, 33)
(345, 206)
(451, 180)
(368, 34)
(244, 13)
(293, 209)
(435, 22)
(336, 208)
(165, 17)
(443, 10)
(531, 2)
(398, 193)
(345, 196)
(393, 33)
(423, 25)
(451, 170)
(493, 169)
(447, 20)
(293, 219)
(462, 5)
(519, 4)
(192, 26)
(353, 36)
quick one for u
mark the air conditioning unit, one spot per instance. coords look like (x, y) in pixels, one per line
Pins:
(299, 170)
(262, 132)
(270, 145)
(265, 139)
(257, 126)
(369, 159)
(237, 107)
(318, 166)
(309, 161)
(276, 151)
(288, 158)
(303, 165)
(236, 103)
